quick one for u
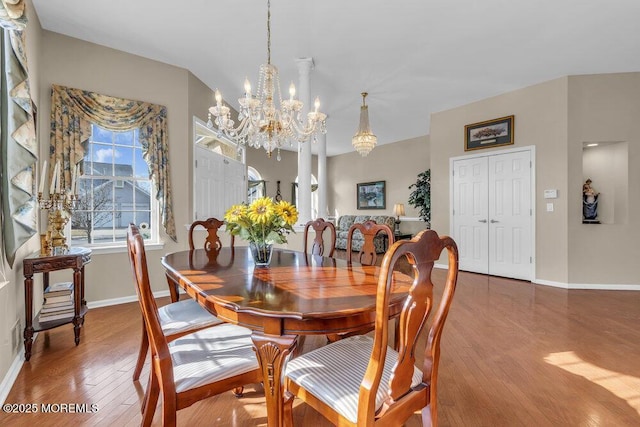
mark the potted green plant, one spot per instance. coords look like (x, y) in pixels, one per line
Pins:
(420, 197)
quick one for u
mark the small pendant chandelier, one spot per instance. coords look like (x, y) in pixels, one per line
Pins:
(262, 124)
(364, 141)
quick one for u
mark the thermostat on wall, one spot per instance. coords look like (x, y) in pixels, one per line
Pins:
(550, 194)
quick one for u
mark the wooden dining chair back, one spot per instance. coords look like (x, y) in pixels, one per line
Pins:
(317, 246)
(212, 245)
(369, 229)
(195, 366)
(364, 381)
(212, 241)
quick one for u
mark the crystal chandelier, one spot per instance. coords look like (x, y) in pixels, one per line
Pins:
(261, 123)
(364, 141)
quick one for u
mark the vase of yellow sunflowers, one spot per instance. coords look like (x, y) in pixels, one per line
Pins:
(262, 223)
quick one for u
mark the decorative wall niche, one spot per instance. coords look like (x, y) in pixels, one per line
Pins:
(606, 163)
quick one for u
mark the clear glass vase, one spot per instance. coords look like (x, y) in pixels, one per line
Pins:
(261, 253)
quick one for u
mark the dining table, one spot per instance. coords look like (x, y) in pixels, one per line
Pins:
(297, 294)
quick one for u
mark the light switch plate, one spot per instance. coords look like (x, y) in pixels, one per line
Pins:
(551, 194)
(549, 207)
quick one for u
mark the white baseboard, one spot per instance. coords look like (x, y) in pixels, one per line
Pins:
(14, 369)
(12, 374)
(588, 286)
(123, 300)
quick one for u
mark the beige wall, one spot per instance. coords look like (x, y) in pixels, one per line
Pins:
(12, 295)
(557, 117)
(540, 120)
(272, 170)
(604, 107)
(75, 63)
(398, 164)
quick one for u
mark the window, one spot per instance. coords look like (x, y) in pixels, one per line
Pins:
(114, 190)
(256, 185)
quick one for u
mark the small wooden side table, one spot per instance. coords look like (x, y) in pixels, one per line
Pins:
(76, 259)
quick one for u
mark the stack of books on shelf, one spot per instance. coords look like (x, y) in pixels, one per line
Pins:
(58, 302)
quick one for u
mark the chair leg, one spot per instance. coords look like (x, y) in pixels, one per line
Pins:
(169, 409)
(426, 417)
(150, 401)
(142, 354)
(298, 351)
(238, 391)
(288, 409)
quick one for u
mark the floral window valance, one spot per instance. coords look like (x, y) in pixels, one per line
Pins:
(73, 111)
(19, 149)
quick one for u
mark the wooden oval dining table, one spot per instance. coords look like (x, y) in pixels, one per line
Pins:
(297, 294)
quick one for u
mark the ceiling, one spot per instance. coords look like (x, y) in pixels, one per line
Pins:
(414, 57)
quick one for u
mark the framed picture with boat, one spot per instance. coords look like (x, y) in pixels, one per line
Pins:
(490, 133)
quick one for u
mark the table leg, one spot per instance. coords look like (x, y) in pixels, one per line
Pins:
(84, 302)
(28, 316)
(173, 289)
(272, 352)
(77, 296)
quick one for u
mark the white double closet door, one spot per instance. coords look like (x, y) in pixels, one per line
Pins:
(492, 214)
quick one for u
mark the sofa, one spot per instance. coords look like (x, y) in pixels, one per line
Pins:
(346, 221)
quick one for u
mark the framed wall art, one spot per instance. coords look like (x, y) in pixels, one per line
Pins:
(490, 133)
(371, 195)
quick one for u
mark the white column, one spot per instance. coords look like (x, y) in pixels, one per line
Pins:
(322, 175)
(305, 65)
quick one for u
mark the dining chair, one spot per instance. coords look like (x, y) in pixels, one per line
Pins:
(194, 366)
(367, 256)
(369, 229)
(177, 318)
(211, 245)
(319, 225)
(362, 380)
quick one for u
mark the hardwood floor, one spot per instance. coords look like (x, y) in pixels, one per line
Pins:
(513, 354)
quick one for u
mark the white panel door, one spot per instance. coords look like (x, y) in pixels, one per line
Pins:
(470, 213)
(209, 184)
(510, 215)
(235, 183)
(492, 214)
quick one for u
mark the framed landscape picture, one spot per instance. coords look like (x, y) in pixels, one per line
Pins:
(490, 133)
(371, 195)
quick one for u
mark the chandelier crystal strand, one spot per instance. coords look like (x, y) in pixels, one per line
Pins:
(261, 123)
(364, 140)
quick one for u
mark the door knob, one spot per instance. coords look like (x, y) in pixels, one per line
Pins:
(482, 220)
(493, 221)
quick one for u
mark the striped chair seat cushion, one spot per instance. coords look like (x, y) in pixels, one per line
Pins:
(211, 354)
(183, 316)
(333, 373)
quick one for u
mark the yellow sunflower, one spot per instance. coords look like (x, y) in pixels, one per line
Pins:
(235, 213)
(287, 211)
(261, 210)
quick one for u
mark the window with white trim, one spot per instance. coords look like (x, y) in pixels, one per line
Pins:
(114, 190)
(255, 185)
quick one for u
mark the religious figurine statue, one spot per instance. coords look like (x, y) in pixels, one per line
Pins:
(589, 203)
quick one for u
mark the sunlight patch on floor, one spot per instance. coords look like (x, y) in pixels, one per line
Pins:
(625, 387)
